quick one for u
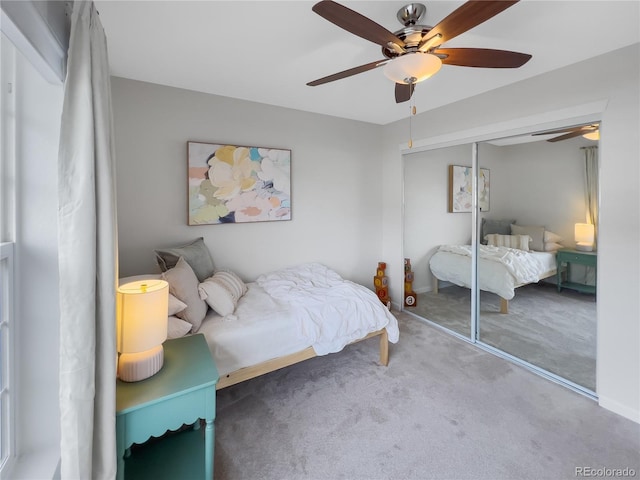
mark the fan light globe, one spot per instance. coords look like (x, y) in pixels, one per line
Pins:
(412, 67)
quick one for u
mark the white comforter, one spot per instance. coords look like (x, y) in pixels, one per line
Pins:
(524, 267)
(330, 312)
(500, 269)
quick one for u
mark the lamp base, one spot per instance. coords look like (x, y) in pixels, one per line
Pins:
(133, 367)
(584, 247)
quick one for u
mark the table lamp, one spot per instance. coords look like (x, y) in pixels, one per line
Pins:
(584, 235)
(141, 327)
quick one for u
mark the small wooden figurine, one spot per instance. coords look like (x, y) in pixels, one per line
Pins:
(410, 297)
(381, 283)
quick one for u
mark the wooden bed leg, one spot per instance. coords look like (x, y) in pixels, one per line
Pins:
(435, 285)
(504, 305)
(384, 348)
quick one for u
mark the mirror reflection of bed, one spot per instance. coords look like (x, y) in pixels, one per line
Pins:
(537, 194)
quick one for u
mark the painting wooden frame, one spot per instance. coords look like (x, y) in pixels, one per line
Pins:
(237, 184)
(460, 189)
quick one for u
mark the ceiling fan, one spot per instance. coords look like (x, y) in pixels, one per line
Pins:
(414, 53)
(590, 132)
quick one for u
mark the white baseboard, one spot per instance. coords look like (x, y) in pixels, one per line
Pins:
(442, 284)
(616, 407)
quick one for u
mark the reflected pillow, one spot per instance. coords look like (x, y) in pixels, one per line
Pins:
(196, 254)
(552, 246)
(535, 232)
(552, 237)
(521, 242)
(501, 227)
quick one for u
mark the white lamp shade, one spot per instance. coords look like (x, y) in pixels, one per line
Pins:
(412, 67)
(141, 320)
(584, 236)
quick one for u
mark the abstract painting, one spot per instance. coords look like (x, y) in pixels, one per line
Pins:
(236, 184)
(460, 189)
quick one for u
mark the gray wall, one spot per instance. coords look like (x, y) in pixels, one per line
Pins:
(336, 176)
(610, 80)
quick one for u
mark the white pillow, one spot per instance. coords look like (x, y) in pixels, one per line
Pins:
(552, 246)
(175, 305)
(521, 242)
(222, 292)
(183, 284)
(177, 328)
(535, 232)
(552, 237)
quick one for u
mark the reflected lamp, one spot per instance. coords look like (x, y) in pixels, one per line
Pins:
(141, 328)
(584, 236)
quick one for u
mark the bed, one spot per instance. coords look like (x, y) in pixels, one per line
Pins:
(284, 317)
(501, 270)
(291, 315)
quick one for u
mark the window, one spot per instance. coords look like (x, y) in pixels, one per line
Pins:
(7, 221)
(6, 353)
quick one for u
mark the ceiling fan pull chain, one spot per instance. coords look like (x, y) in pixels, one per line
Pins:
(412, 112)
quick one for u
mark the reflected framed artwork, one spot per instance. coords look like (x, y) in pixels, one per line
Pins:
(237, 184)
(460, 189)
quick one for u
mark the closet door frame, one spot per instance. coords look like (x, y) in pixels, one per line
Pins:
(587, 113)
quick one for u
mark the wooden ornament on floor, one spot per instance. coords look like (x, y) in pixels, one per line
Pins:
(410, 297)
(381, 284)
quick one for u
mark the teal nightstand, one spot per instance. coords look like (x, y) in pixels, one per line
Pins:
(182, 392)
(567, 256)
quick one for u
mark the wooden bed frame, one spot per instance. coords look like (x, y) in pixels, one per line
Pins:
(274, 364)
(504, 303)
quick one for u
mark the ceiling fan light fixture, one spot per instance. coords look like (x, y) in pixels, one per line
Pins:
(592, 135)
(412, 67)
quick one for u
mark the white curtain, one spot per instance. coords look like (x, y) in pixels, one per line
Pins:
(87, 256)
(591, 190)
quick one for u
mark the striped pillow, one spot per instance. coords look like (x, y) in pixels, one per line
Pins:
(521, 242)
(222, 292)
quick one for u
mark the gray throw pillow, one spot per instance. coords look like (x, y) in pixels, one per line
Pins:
(183, 285)
(196, 254)
(534, 231)
(488, 226)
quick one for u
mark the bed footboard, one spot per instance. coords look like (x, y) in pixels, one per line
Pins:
(384, 347)
(504, 305)
(277, 363)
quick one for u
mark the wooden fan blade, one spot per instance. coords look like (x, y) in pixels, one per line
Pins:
(404, 91)
(469, 15)
(348, 73)
(483, 57)
(355, 23)
(582, 129)
(567, 136)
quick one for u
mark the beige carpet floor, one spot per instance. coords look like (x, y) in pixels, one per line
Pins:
(552, 330)
(442, 409)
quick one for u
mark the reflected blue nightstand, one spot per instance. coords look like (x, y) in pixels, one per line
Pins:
(182, 392)
(568, 256)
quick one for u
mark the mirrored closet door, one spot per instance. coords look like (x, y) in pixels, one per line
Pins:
(429, 230)
(538, 194)
(529, 196)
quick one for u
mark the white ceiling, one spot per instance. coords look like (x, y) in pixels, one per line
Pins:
(266, 51)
